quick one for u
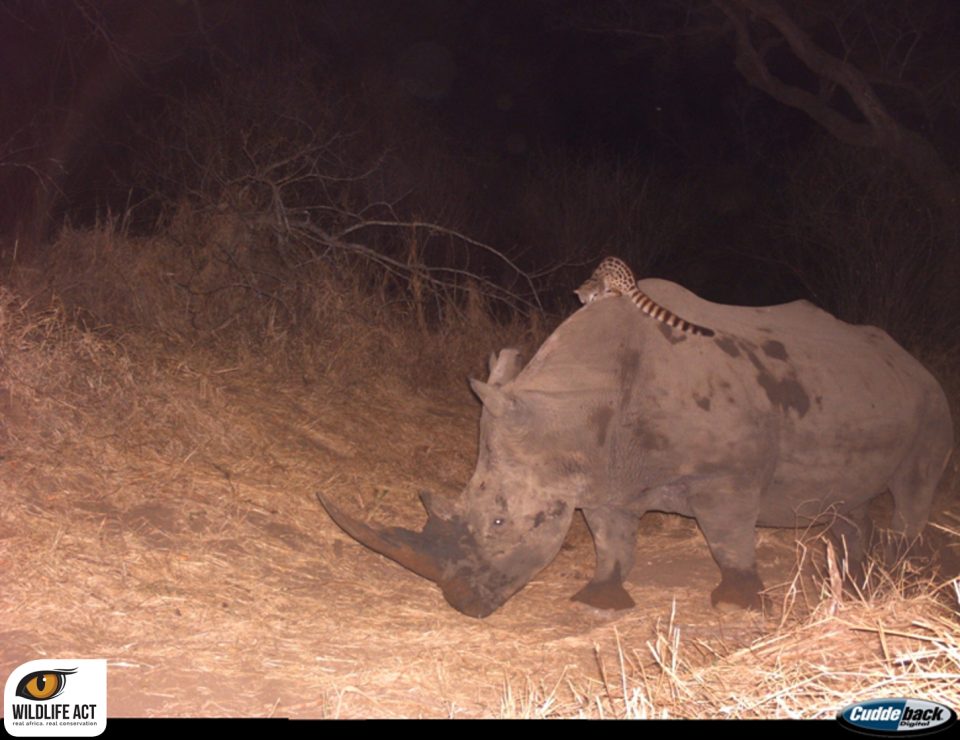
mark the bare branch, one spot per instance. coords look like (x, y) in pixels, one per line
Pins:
(436, 228)
(754, 68)
(402, 269)
(880, 130)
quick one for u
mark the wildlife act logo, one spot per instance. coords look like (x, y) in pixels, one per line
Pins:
(56, 698)
(897, 717)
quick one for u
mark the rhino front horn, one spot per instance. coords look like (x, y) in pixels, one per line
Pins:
(405, 546)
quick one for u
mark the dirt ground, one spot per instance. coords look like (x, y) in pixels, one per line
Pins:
(159, 511)
(216, 585)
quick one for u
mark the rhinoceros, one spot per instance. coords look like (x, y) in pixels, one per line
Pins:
(785, 416)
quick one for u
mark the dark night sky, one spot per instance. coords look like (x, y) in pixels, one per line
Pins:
(502, 73)
(506, 89)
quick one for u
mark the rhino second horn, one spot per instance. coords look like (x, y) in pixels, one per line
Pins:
(438, 507)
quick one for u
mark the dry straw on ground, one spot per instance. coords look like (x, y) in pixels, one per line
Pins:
(157, 485)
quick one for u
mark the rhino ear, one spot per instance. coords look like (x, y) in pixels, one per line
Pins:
(495, 400)
(505, 366)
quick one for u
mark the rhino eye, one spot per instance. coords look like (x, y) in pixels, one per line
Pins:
(499, 521)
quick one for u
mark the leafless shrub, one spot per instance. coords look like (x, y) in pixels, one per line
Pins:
(866, 246)
(303, 183)
(579, 208)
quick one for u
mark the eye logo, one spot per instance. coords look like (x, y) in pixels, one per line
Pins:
(37, 702)
(43, 685)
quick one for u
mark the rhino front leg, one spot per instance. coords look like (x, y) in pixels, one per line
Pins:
(730, 530)
(615, 539)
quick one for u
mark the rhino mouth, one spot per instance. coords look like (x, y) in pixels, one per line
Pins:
(442, 552)
(479, 593)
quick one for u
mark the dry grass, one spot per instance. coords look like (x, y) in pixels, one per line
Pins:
(157, 484)
(214, 282)
(147, 506)
(901, 640)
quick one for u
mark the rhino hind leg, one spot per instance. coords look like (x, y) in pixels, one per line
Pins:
(730, 532)
(615, 539)
(915, 482)
(913, 486)
(852, 537)
(741, 588)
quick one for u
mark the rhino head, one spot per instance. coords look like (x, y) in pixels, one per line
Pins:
(485, 546)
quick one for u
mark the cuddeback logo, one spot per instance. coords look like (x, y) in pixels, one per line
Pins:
(56, 698)
(897, 717)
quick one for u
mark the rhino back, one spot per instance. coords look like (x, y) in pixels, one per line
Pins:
(825, 409)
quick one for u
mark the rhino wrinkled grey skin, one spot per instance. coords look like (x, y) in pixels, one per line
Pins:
(786, 415)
